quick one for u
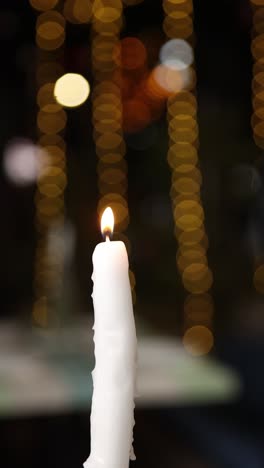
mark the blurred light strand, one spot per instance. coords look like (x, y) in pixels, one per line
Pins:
(107, 114)
(52, 178)
(187, 206)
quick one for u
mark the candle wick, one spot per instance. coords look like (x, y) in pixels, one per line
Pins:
(107, 238)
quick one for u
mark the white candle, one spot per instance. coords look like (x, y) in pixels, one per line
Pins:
(112, 414)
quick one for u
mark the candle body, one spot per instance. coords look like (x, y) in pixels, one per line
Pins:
(112, 414)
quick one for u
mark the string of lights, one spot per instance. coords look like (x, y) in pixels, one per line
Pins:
(186, 183)
(52, 179)
(257, 119)
(107, 21)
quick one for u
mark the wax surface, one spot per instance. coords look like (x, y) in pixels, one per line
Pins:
(112, 414)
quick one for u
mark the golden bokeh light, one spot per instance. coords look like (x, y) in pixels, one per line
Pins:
(198, 340)
(105, 187)
(191, 238)
(50, 123)
(109, 141)
(111, 158)
(71, 90)
(119, 163)
(188, 222)
(112, 176)
(190, 207)
(53, 175)
(182, 107)
(46, 100)
(185, 258)
(50, 190)
(50, 44)
(78, 11)
(197, 278)
(52, 140)
(107, 111)
(43, 5)
(109, 199)
(199, 308)
(50, 29)
(173, 30)
(106, 14)
(186, 186)
(182, 6)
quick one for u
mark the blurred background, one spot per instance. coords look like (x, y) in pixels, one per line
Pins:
(157, 110)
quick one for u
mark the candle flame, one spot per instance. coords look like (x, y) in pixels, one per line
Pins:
(107, 222)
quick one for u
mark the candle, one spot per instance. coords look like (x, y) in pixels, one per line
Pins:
(112, 413)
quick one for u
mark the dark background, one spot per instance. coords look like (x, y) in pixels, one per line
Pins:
(229, 436)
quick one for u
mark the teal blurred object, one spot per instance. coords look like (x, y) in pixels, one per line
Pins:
(46, 372)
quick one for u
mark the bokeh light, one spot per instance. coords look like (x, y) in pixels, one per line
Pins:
(198, 340)
(23, 161)
(78, 11)
(46, 100)
(176, 54)
(130, 53)
(43, 5)
(50, 28)
(71, 90)
(199, 308)
(171, 80)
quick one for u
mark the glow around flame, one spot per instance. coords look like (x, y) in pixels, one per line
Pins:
(107, 221)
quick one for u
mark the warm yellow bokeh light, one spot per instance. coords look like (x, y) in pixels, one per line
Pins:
(78, 11)
(199, 308)
(109, 141)
(107, 111)
(43, 5)
(52, 140)
(177, 29)
(184, 259)
(190, 238)
(182, 107)
(181, 5)
(51, 122)
(198, 340)
(197, 278)
(71, 90)
(111, 158)
(46, 100)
